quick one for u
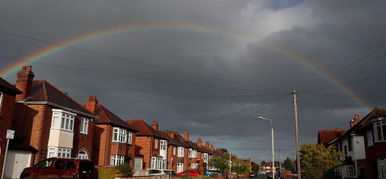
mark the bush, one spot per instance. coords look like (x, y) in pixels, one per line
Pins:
(107, 173)
(125, 170)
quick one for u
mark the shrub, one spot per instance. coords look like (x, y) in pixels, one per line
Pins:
(107, 173)
(125, 170)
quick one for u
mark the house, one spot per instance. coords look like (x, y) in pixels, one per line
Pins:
(114, 139)
(352, 146)
(180, 161)
(7, 102)
(326, 136)
(49, 121)
(151, 145)
(373, 129)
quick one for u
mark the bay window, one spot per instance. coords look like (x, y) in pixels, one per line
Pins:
(381, 165)
(119, 135)
(62, 120)
(59, 152)
(379, 128)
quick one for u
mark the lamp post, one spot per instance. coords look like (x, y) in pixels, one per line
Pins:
(273, 145)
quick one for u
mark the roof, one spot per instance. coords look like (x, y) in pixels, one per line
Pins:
(144, 129)
(6, 87)
(178, 139)
(105, 116)
(364, 122)
(326, 136)
(45, 93)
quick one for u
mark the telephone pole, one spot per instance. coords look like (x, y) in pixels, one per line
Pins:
(296, 134)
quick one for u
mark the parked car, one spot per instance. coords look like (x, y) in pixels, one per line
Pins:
(190, 173)
(212, 172)
(155, 172)
(61, 168)
(168, 172)
(252, 175)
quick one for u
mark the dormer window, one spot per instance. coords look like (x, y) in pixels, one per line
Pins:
(379, 128)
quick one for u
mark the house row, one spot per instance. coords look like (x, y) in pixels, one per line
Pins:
(363, 145)
(49, 123)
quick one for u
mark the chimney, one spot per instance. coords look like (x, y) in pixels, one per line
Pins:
(211, 147)
(186, 135)
(356, 119)
(92, 104)
(24, 82)
(154, 125)
(199, 142)
(207, 144)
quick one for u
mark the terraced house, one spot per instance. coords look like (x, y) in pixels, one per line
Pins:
(114, 139)
(47, 123)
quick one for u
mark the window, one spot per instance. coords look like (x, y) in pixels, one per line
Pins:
(174, 150)
(59, 152)
(180, 152)
(138, 164)
(119, 135)
(349, 140)
(192, 153)
(350, 171)
(82, 155)
(381, 165)
(155, 143)
(194, 166)
(380, 131)
(180, 167)
(62, 120)
(44, 164)
(153, 162)
(117, 160)
(163, 144)
(84, 126)
(129, 137)
(206, 158)
(370, 141)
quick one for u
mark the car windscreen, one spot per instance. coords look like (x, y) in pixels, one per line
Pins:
(154, 171)
(43, 164)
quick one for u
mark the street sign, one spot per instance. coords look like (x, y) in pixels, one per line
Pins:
(10, 134)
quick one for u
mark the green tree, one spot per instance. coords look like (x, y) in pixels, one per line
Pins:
(255, 167)
(316, 160)
(220, 162)
(289, 165)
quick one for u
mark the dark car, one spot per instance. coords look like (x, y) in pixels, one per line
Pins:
(61, 168)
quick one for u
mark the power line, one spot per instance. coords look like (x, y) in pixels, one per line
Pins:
(130, 60)
(135, 77)
(346, 69)
(346, 96)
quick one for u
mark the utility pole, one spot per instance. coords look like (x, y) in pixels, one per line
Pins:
(296, 134)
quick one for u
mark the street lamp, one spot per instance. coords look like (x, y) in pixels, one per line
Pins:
(273, 145)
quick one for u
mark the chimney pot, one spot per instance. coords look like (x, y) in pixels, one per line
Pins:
(24, 82)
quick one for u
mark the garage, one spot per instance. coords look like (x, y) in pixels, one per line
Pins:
(17, 160)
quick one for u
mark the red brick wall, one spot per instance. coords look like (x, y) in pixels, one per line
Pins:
(172, 159)
(144, 146)
(131, 150)
(83, 141)
(372, 154)
(186, 159)
(6, 115)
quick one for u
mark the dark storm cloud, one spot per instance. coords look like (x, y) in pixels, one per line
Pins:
(328, 34)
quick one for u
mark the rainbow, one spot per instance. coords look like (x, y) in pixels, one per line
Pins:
(57, 47)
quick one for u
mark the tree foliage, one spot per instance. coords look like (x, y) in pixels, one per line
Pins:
(220, 162)
(317, 160)
(255, 167)
(289, 165)
(241, 166)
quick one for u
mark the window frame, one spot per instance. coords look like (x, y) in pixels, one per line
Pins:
(63, 120)
(129, 137)
(59, 152)
(180, 152)
(115, 136)
(84, 125)
(155, 143)
(370, 138)
(1, 101)
(379, 133)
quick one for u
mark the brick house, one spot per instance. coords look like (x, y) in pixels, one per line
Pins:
(50, 121)
(373, 129)
(114, 139)
(7, 103)
(352, 146)
(181, 159)
(151, 145)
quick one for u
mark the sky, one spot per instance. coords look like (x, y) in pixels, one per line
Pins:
(211, 67)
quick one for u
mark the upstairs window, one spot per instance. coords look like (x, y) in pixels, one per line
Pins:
(84, 126)
(174, 151)
(379, 128)
(180, 152)
(155, 143)
(370, 139)
(129, 137)
(1, 100)
(62, 120)
(163, 144)
(119, 135)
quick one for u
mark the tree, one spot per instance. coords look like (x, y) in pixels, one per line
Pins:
(255, 167)
(289, 165)
(220, 162)
(317, 160)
